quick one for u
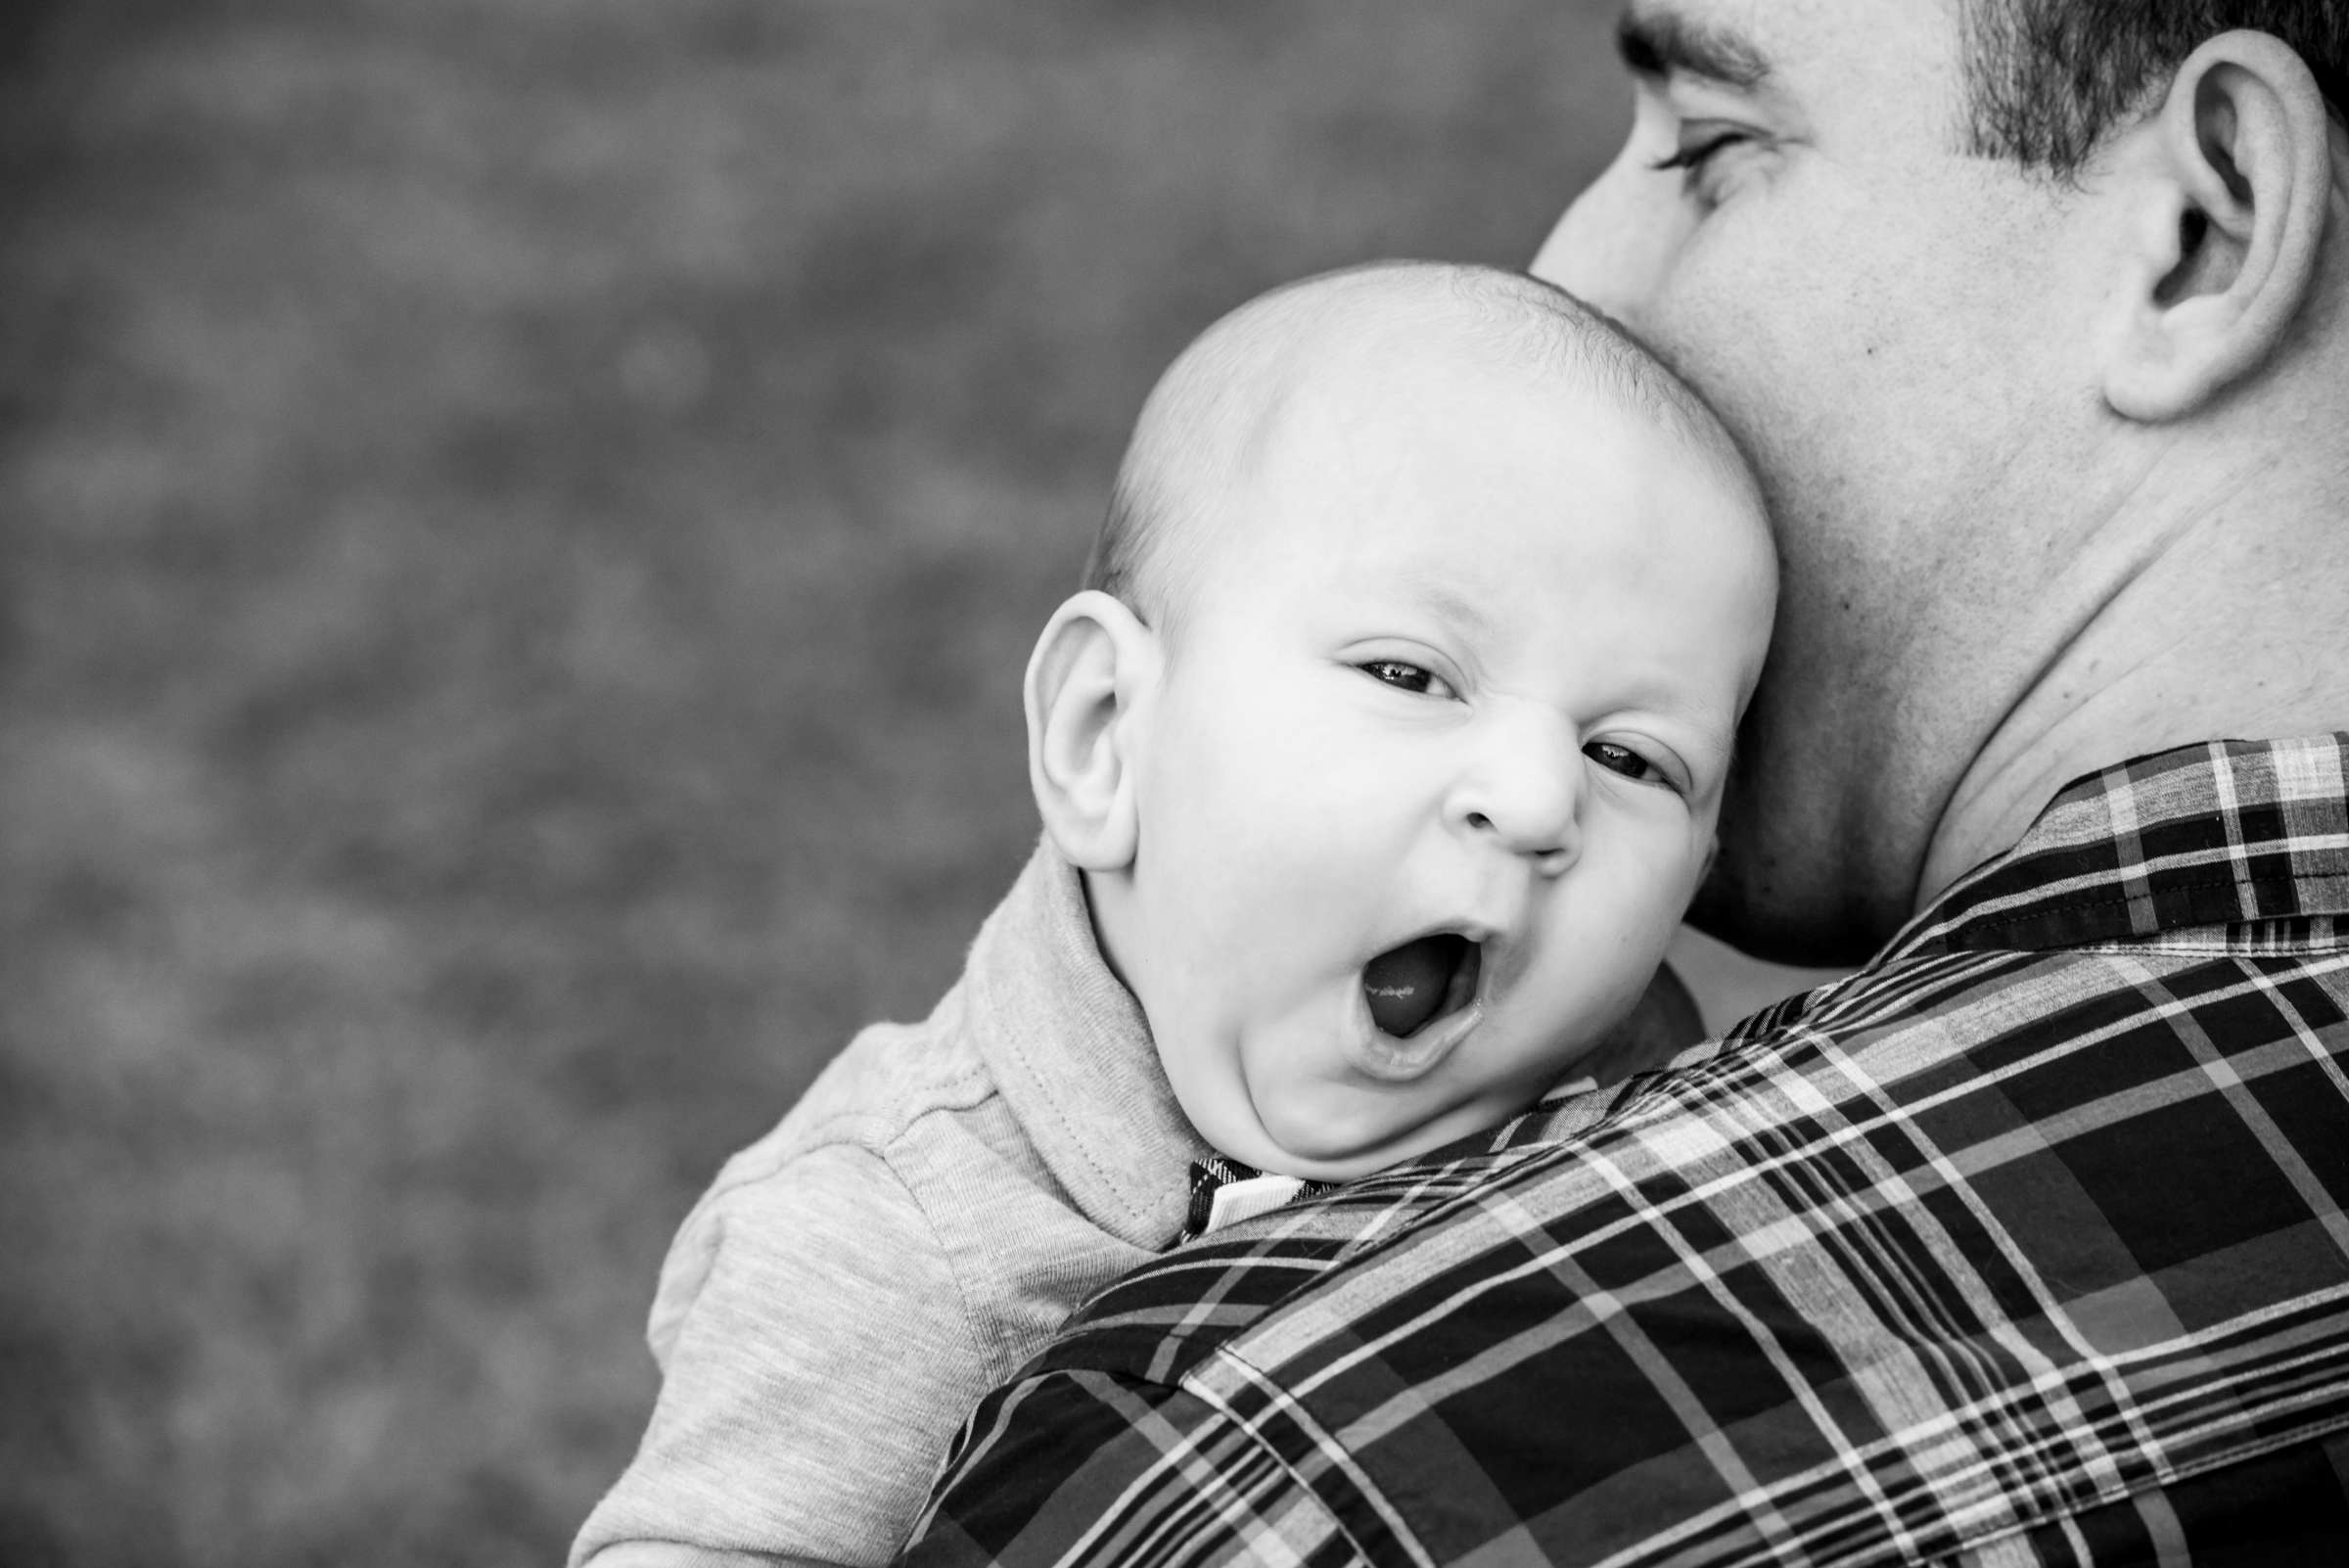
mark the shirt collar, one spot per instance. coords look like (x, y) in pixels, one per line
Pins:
(1070, 1054)
(2223, 833)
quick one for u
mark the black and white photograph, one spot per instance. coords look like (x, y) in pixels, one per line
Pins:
(1045, 784)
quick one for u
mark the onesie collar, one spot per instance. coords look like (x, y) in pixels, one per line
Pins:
(1070, 1054)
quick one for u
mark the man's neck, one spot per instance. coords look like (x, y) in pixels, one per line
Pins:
(2217, 619)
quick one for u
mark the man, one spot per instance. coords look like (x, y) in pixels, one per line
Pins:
(2024, 1244)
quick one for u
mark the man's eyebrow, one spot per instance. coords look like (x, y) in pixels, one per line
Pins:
(1655, 43)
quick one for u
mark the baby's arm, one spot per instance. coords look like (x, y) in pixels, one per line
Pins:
(819, 1360)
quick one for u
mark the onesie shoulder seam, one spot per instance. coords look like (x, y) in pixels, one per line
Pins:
(965, 1089)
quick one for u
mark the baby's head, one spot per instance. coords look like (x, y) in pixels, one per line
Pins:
(1391, 735)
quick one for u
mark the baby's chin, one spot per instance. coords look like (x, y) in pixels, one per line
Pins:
(1311, 1146)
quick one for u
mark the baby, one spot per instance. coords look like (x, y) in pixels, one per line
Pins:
(1377, 766)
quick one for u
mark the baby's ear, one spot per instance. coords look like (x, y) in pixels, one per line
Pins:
(1088, 687)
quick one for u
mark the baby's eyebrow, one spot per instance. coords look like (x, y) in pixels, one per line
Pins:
(1657, 42)
(1449, 604)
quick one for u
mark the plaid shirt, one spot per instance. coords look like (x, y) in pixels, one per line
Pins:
(2023, 1244)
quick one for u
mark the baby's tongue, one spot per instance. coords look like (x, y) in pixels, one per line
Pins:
(1406, 985)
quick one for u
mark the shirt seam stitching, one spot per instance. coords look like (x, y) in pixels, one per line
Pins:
(2075, 903)
(1190, 1383)
(846, 1127)
(981, 1326)
(2156, 1482)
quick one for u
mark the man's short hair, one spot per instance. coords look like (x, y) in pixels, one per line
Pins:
(2048, 80)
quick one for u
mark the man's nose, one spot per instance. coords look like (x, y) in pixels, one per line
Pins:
(1522, 789)
(1600, 250)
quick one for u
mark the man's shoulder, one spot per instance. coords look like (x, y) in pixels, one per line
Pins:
(1922, 1200)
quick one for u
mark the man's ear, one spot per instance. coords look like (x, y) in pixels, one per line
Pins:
(2236, 166)
(1087, 691)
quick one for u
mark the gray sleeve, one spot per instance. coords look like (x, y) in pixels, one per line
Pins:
(818, 1356)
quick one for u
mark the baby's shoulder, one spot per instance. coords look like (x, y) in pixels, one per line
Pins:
(890, 1082)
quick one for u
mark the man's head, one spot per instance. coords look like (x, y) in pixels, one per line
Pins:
(2047, 82)
(1393, 758)
(2029, 314)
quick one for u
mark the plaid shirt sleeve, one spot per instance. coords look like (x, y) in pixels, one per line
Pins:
(2023, 1245)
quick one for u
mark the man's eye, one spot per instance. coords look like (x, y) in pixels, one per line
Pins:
(1696, 152)
(1405, 678)
(1623, 760)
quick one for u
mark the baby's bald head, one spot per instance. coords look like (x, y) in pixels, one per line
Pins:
(1221, 406)
(1437, 602)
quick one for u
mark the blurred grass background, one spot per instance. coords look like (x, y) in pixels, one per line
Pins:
(520, 525)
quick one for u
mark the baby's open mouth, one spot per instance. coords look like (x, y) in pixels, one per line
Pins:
(1412, 986)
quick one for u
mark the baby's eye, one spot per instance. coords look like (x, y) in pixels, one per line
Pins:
(1623, 760)
(1404, 676)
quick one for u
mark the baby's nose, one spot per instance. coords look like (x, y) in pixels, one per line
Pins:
(1524, 791)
